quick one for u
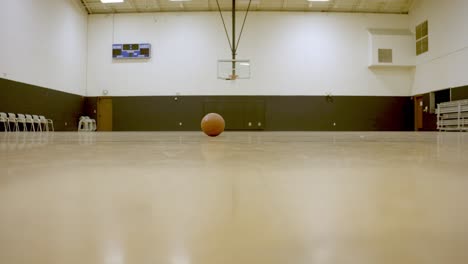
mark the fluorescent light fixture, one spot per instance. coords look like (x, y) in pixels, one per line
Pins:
(180, 0)
(318, 0)
(111, 1)
(244, 63)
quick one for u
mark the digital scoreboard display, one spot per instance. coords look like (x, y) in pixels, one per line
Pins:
(131, 51)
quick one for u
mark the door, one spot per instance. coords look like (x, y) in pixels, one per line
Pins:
(104, 117)
(418, 113)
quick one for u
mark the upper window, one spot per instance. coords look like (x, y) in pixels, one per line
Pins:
(422, 38)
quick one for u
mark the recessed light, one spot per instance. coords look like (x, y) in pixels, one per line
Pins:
(111, 1)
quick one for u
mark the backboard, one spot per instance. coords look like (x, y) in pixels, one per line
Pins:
(233, 69)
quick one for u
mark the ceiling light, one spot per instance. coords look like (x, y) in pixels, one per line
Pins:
(318, 0)
(111, 1)
(180, 0)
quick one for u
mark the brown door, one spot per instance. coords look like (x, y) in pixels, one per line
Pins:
(418, 113)
(104, 117)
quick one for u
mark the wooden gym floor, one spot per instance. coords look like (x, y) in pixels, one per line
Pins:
(241, 198)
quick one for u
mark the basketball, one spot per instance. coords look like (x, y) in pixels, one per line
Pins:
(212, 124)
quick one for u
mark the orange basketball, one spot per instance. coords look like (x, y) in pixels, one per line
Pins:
(212, 124)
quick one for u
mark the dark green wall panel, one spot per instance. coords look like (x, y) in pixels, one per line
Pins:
(340, 113)
(239, 113)
(183, 113)
(276, 113)
(90, 107)
(460, 93)
(430, 120)
(24, 98)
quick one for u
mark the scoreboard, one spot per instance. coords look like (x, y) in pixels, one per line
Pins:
(131, 51)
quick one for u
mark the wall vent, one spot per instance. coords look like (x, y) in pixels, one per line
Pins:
(422, 38)
(385, 56)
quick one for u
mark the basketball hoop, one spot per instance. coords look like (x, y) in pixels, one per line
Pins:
(231, 70)
(232, 77)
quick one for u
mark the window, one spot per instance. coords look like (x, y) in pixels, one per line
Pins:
(422, 38)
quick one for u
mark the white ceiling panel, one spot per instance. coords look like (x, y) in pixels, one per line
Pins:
(359, 6)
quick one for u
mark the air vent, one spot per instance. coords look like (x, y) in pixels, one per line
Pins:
(385, 56)
(422, 38)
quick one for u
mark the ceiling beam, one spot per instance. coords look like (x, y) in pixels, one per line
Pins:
(151, 6)
(383, 6)
(80, 5)
(86, 6)
(331, 5)
(158, 4)
(284, 4)
(356, 5)
(134, 6)
(410, 5)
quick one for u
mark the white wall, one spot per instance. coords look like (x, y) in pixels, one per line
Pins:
(401, 42)
(291, 53)
(445, 64)
(43, 42)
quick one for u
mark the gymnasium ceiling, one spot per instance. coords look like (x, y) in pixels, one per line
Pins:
(359, 6)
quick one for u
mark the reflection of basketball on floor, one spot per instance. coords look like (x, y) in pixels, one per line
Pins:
(212, 124)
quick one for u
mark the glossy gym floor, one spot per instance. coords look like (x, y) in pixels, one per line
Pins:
(240, 198)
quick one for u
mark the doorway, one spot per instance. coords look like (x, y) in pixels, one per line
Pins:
(104, 115)
(418, 112)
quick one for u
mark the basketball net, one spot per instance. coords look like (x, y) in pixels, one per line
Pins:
(233, 77)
